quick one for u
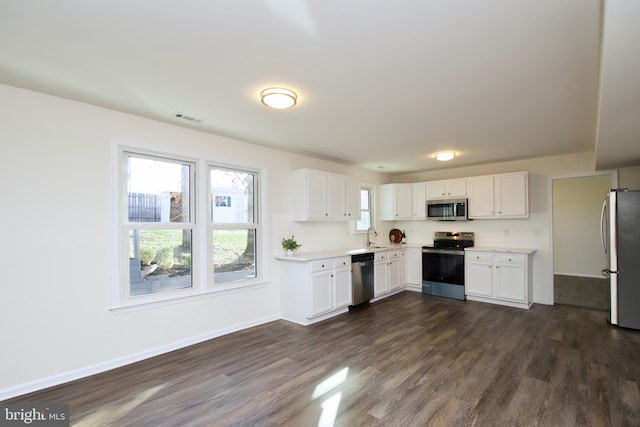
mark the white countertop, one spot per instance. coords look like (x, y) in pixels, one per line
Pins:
(335, 253)
(527, 251)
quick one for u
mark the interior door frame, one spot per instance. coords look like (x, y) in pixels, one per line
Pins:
(614, 184)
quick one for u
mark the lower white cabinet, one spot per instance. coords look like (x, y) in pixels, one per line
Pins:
(499, 276)
(387, 272)
(316, 290)
(412, 268)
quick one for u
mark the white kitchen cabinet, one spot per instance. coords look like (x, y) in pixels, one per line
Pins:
(498, 196)
(325, 196)
(321, 300)
(396, 202)
(342, 283)
(447, 189)
(316, 290)
(499, 277)
(478, 274)
(387, 272)
(395, 270)
(419, 199)
(412, 268)
(512, 195)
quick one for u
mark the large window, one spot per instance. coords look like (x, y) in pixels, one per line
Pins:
(159, 223)
(233, 223)
(366, 208)
(164, 251)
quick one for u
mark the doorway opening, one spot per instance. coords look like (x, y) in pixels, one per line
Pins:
(578, 257)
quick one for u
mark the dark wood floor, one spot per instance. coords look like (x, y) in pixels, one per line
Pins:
(587, 292)
(409, 360)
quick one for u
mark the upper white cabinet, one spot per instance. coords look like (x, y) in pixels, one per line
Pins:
(396, 202)
(451, 188)
(499, 196)
(418, 208)
(322, 196)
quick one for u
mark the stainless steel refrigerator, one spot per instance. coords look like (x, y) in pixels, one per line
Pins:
(620, 232)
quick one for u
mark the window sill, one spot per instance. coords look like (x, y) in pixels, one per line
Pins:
(212, 291)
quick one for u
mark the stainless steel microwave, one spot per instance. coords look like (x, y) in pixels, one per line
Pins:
(447, 210)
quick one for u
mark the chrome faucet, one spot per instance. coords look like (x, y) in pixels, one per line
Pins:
(375, 233)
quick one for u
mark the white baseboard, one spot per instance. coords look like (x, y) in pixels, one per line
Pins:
(590, 276)
(76, 374)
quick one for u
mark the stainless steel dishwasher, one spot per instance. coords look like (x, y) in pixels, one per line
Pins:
(362, 277)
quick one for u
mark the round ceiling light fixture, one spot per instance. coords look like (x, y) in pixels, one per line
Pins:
(278, 97)
(445, 155)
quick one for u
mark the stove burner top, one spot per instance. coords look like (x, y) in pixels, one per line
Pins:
(452, 240)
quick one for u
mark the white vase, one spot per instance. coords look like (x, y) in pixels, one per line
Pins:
(289, 252)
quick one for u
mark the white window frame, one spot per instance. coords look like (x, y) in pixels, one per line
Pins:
(255, 225)
(372, 208)
(202, 252)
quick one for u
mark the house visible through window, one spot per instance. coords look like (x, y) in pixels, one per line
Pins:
(233, 223)
(366, 209)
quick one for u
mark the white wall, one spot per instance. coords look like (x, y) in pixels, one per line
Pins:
(56, 179)
(577, 204)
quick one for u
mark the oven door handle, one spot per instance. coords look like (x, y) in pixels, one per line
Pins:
(442, 251)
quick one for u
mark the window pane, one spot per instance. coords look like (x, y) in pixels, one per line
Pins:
(232, 196)
(158, 190)
(365, 221)
(159, 260)
(234, 255)
(365, 199)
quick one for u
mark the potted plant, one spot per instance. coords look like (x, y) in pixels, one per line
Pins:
(290, 245)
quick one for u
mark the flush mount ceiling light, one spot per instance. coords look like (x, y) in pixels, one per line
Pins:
(445, 155)
(277, 97)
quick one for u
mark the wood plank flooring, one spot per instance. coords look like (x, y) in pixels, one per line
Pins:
(586, 292)
(409, 360)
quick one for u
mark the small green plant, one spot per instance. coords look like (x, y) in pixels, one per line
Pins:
(164, 257)
(186, 261)
(290, 244)
(147, 255)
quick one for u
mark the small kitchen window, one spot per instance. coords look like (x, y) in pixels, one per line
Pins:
(366, 209)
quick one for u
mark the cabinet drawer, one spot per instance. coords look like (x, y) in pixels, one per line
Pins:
(393, 254)
(381, 255)
(321, 265)
(478, 256)
(342, 262)
(516, 259)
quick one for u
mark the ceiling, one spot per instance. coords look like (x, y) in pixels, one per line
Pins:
(382, 85)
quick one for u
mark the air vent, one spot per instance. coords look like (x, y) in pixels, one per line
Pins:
(187, 118)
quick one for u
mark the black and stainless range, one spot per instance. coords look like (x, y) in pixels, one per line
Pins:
(443, 264)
